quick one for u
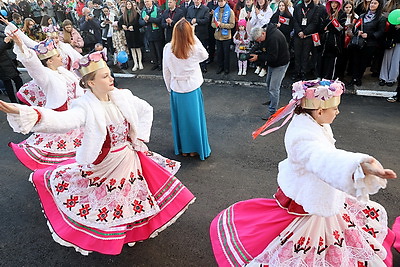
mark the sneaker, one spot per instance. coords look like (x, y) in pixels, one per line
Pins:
(244, 73)
(239, 73)
(257, 71)
(382, 83)
(393, 99)
(262, 73)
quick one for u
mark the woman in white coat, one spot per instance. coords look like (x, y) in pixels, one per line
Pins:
(114, 194)
(321, 214)
(183, 78)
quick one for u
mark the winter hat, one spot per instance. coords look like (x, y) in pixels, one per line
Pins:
(242, 22)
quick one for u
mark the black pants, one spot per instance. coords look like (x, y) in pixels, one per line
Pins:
(203, 65)
(109, 45)
(156, 50)
(223, 51)
(211, 43)
(361, 60)
(10, 89)
(302, 49)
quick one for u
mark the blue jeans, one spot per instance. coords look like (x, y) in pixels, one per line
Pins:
(274, 81)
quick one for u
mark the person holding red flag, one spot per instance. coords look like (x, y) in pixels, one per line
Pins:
(283, 20)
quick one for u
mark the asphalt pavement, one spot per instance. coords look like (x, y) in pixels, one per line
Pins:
(239, 168)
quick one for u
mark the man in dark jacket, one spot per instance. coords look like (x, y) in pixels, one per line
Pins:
(89, 25)
(151, 18)
(275, 54)
(169, 18)
(212, 5)
(305, 16)
(198, 15)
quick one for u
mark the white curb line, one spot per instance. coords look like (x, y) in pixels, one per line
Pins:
(242, 83)
(375, 93)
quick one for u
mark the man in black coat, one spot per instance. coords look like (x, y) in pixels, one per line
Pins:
(151, 18)
(198, 15)
(305, 16)
(212, 5)
(275, 53)
(89, 25)
(169, 18)
(185, 4)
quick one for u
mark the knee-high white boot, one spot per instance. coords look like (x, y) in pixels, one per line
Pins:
(244, 71)
(135, 61)
(240, 67)
(139, 56)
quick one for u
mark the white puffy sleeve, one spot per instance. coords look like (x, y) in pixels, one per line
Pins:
(11, 28)
(33, 65)
(49, 121)
(200, 53)
(166, 70)
(339, 168)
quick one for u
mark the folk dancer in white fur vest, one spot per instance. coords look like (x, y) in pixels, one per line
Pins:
(321, 214)
(55, 88)
(31, 93)
(115, 193)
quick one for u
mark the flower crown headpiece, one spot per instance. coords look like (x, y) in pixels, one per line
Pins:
(51, 30)
(318, 94)
(45, 49)
(90, 63)
(313, 94)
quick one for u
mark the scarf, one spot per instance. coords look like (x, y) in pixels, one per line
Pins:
(225, 17)
(153, 14)
(370, 16)
(248, 9)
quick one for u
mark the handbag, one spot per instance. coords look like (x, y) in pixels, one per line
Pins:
(357, 42)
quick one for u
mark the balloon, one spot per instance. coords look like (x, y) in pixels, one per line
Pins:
(122, 57)
(394, 17)
(3, 13)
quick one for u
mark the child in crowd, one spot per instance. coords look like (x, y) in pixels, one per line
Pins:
(344, 59)
(17, 20)
(119, 43)
(242, 41)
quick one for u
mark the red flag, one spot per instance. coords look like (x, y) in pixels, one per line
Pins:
(283, 20)
(337, 25)
(316, 39)
(358, 23)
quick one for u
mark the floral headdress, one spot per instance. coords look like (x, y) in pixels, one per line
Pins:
(309, 95)
(90, 63)
(45, 49)
(51, 30)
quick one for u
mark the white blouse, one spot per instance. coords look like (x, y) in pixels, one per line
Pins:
(183, 75)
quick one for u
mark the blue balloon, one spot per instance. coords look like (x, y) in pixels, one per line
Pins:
(3, 13)
(122, 57)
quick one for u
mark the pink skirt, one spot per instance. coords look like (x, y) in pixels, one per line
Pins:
(396, 230)
(170, 194)
(41, 150)
(258, 232)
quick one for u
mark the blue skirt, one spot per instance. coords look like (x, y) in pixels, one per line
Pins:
(189, 126)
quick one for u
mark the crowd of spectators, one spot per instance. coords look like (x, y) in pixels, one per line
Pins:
(320, 36)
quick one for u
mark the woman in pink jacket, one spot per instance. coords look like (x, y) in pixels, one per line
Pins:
(71, 36)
